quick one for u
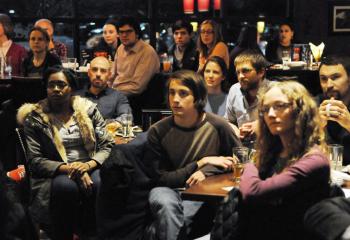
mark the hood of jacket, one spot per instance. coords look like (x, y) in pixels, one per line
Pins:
(41, 111)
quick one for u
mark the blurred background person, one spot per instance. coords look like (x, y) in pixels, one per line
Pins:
(247, 40)
(39, 58)
(108, 44)
(283, 42)
(292, 168)
(210, 43)
(184, 51)
(67, 143)
(56, 47)
(215, 72)
(13, 53)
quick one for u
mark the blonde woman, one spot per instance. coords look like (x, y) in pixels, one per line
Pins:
(292, 171)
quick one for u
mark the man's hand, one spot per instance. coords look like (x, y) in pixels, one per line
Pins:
(335, 110)
(195, 178)
(248, 129)
(219, 161)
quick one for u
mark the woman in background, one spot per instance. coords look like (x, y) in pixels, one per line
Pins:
(284, 42)
(215, 72)
(13, 53)
(109, 42)
(39, 58)
(292, 170)
(210, 43)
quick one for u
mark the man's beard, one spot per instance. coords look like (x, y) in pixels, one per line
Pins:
(252, 86)
(333, 94)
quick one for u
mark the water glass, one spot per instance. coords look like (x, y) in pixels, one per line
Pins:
(335, 152)
(286, 58)
(242, 156)
(70, 63)
(126, 121)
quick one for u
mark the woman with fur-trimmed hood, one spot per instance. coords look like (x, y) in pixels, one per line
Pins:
(67, 143)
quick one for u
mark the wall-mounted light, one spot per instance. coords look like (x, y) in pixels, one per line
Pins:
(217, 4)
(188, 6)
(195, 26)
(203, 5)
(260, 26)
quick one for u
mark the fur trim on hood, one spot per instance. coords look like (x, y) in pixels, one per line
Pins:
(81, 107)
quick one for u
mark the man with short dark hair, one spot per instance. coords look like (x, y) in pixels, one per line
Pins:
(184, 50)
(111, 103)
(135, 61)
(242, 100)
(334, 74)
(186, 148)
(55, 47)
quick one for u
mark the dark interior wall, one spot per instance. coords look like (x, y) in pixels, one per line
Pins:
(311, 18)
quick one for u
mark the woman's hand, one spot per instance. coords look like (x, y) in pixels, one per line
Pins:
(219, 161)
(195, 178)
(77, 169)
(86, 181)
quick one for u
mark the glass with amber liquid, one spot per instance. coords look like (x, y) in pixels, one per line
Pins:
(241, 154)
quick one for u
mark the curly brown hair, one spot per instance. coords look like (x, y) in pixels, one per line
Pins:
(307, 131)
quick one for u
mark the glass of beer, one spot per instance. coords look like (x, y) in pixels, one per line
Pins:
(112, 126)
(241, 154)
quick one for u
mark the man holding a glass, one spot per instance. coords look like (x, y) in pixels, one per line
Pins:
(242, 101)
(335, 102)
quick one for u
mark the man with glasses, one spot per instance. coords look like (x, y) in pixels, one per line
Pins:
(335, 101)
(242, 101)
(184, 50)
(111, 103)
(135, 61)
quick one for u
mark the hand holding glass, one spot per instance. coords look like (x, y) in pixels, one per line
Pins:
(242, 156)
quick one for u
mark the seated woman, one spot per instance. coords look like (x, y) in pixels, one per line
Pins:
(12, 52)
(109, 43)
(210, 43)
(67, 143)
(215, 72)
(283, 42)
(39, 58)
(292, 170)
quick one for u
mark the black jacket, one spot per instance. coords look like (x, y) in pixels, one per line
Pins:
(190, 59)
(122, 205)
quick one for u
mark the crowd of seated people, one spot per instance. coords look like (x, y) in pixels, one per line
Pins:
(67, 142)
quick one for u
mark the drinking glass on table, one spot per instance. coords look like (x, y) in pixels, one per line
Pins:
(167, 61)
(242, 156)
(126, 121)
(286, 58)
(335, 152)
(112, 126)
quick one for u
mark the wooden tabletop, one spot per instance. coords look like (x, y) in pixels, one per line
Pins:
(210, 189)
(122, 140)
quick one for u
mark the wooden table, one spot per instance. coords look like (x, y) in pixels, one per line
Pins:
(210, 189)
(122, 140)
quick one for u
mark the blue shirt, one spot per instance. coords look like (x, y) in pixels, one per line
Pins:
(111, 103)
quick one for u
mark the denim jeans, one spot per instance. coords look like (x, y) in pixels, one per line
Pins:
(71, 208)
(173, 218)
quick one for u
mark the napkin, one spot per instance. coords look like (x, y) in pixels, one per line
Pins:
(317, 51)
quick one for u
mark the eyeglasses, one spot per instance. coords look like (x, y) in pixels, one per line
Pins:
(207, 31)
(277, 107)
(59, 84)
(127, 32)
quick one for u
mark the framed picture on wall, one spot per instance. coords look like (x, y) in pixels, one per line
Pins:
(339, 20)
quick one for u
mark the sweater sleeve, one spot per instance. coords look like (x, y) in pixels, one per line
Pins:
(156, 153)
(221, 50)
(301, 176)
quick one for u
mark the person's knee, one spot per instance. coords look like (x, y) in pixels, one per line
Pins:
(165, 199)
(62, 186)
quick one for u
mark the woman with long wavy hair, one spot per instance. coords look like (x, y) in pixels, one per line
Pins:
(210, 43)
(292, 169)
